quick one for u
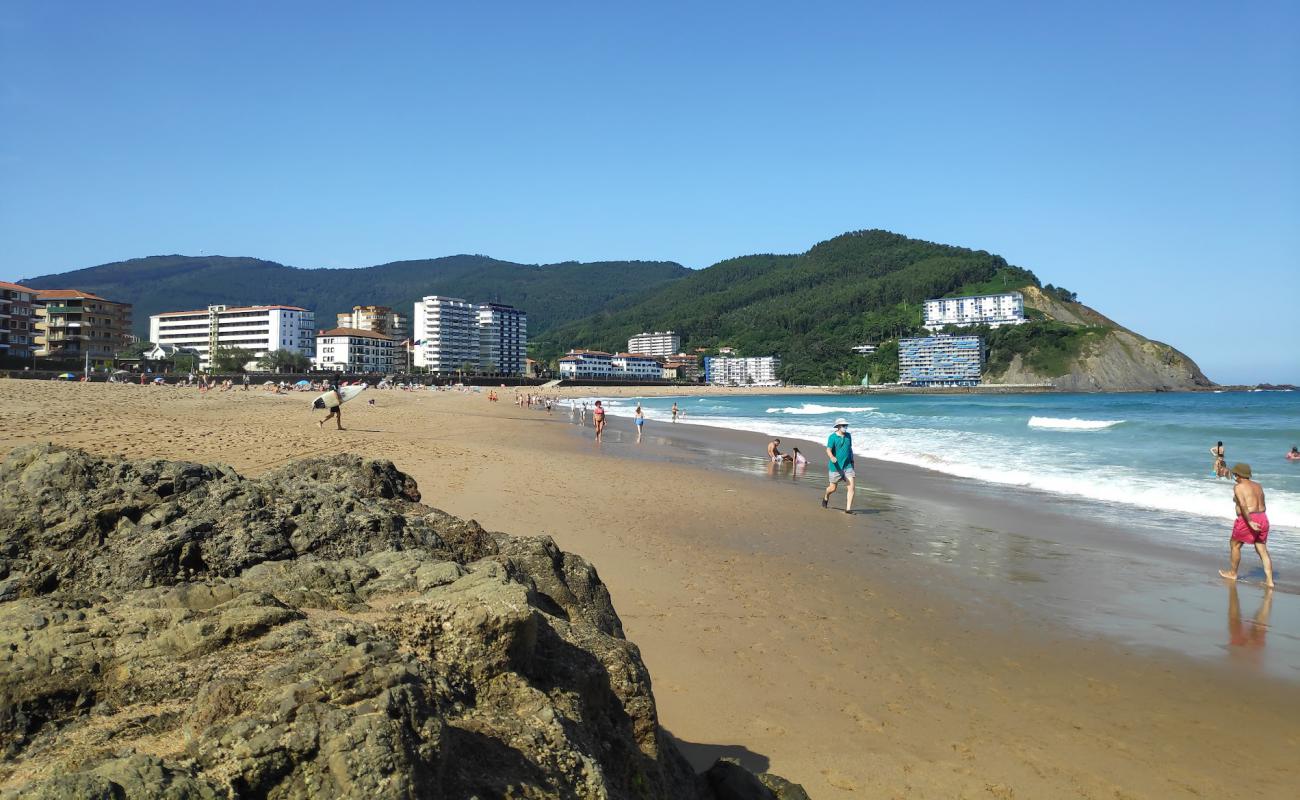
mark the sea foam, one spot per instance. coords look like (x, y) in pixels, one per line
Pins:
(816, 408)
(1073, 423)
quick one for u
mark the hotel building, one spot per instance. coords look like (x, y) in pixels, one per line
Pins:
(452, 334)
(994, 310)
(738, 371)
(71, 324)
(380, 319)
(659, 343)
(610, 366)
(354, 350)
(257, 329)
(940, 360)
(17, 320)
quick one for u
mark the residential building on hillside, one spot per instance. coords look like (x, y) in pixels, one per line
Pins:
(256, 329)
(452, 334)
(380, 319)
(659, 343)
(864, 349)
(72, 324)
(587, 364)
(17, 320)
(502, 339)
(739, 371)
(354, 350)
(994, 310)
(940, 360)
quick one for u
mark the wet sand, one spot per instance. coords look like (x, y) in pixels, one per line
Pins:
(891, 653)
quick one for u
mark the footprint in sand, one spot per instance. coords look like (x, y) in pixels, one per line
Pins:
(839, 780)
(864, 720)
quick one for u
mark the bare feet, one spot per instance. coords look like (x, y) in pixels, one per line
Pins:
(1232, 576)
(320, 423)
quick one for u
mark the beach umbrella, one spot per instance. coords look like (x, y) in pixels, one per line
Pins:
(269, 383)
(303, 383)
(67, 376)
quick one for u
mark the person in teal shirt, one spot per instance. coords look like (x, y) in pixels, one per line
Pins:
(839, 449)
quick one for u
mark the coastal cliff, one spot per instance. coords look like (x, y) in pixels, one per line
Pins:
(170, 629)
(1109, 357)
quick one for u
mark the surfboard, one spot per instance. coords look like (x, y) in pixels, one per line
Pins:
(329, 400)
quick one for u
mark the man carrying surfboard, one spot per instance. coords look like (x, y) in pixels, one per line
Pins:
(839, 449)
(336, 410)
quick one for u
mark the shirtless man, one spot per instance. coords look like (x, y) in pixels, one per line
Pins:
(774, 451)
(1251, 524)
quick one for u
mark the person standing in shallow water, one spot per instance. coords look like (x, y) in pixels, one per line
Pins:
(1251, 524)
(598, 419)
(640, 422)
(839, 449)
(1220, 465)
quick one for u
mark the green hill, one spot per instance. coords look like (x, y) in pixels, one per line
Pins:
(551, 294)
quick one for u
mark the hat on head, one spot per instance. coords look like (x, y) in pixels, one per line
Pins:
(1241, 470)
(841, 421)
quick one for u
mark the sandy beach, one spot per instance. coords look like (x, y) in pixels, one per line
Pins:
(840, 651)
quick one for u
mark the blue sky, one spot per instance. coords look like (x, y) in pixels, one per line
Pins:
(1144, 155)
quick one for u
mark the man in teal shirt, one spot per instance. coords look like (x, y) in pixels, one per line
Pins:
(839, 449)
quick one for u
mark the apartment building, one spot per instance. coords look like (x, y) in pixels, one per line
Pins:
(380, 319)
(636, 367)
(17, 320)
(740, 371)
(452, 334)
(503, 339)
(72, 324)
(256, 329)
(681, 366)
(587, 364)
(659, 343)
(940, 360)
(994, 310)
(354, 350)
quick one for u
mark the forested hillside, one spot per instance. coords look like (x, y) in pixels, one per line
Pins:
(551, 294)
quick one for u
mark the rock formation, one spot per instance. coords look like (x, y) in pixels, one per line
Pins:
(173, 630)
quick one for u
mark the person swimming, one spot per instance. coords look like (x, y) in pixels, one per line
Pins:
(1294, 455)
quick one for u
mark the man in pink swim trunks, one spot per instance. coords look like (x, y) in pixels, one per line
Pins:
(1251, 524)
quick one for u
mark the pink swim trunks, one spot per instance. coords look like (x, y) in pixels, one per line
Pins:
(1244, 533)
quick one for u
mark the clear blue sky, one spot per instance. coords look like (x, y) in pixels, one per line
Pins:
(1145, 155)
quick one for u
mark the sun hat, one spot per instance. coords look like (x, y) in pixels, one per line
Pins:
(841, 421)
(1241, 470)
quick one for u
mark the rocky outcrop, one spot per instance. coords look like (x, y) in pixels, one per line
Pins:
(173, 630)
(1119, 360)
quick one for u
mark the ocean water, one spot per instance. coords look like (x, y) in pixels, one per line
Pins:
(1148, 451)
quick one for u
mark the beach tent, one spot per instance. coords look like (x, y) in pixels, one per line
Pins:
(66, 376)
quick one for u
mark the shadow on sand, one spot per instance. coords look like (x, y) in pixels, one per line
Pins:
(702, 756)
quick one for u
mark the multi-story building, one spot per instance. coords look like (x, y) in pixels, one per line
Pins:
(682, 366)
(993, 310)
(380, 319)
(452, 334)
(739, 371)
(256, 329)
(17, 320)
(587, 364)
(635, 367)
(354, 350)
(659, 343)
(73, 324)
(502, 339)
(940, 360)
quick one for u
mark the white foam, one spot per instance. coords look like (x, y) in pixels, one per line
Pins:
(1073, 423)
(815, 408)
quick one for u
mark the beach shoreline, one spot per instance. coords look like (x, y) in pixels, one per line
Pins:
(836, 650)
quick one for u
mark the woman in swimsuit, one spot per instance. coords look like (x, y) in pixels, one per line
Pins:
(640, 422)
(1220, 463)
(598, 417)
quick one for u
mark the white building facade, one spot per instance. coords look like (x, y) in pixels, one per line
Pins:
(994, 310)
(659, 343)
(587, 364)
(635, 367)
(503, 339)
(354, 350)
(737, 371)
(256, 329)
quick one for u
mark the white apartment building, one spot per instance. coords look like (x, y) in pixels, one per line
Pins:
(659, 343)
(994, 310)
(635, 367)
(257, 329)
(354, 350)
(587, 364)
(737, 371)
(452, 334)
(503, 339)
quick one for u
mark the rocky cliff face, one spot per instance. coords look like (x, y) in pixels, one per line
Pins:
(1120, 360)
(176, 630)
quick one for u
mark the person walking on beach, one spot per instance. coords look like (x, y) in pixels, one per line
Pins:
(675, 412)
(1251, 524)
(337, 411)
(839, 449)
(598, 418)
(1220, 465)
(640, 422)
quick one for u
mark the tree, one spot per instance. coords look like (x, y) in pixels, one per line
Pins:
(185, 362)
(230, 359)
(135, 349)
(284, 361)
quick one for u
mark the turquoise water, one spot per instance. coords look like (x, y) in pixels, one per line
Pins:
(1147, 451)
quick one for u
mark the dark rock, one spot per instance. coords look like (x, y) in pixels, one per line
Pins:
(730, 781)
(173, 630)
